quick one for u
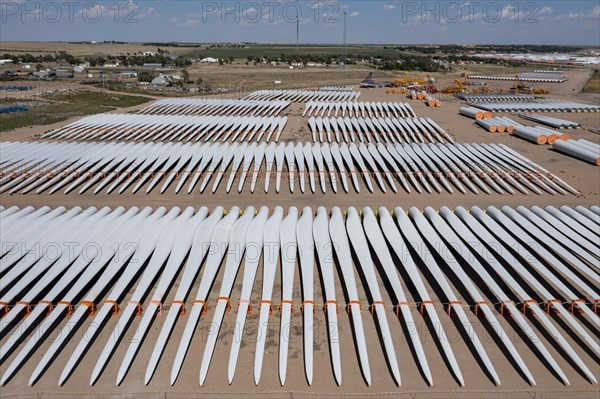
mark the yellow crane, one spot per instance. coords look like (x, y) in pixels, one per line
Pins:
(458, 87)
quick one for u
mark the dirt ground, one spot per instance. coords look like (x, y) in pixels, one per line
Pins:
(582, 176)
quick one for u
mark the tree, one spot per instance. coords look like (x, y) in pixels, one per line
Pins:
(231, 59)
(199, 81)
(145, 76)
(39, 67)
(185, 75)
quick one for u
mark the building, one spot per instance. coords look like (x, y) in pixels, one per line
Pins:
(63, 74)
(162, 80)
(150, 65)
(129, 74)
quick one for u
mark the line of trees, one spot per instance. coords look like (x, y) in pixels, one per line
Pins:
(136, 59)
(394, 62)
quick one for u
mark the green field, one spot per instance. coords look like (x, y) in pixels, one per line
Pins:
(64, 106)
(276, 51)
(593, 85)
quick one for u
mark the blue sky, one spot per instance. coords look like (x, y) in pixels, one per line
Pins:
(270, 21)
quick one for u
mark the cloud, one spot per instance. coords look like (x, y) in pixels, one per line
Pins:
(354, 14)
(148, 13)
(593, 13)
(526, 14)
(191, 23)
(388, 6)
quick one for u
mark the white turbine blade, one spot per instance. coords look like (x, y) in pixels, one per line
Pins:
(181, 247)
(161, 253)
(400, 247)
(254, 245)
(375, 237)
(306, 248)
(199, 248)
(234, 257)
(325, 255)
(219, 245)
(361, 248)
(339, 238)
(433, 238)
(270, 260)
(288, 265)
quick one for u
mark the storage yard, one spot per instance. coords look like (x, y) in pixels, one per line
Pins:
(334, 241)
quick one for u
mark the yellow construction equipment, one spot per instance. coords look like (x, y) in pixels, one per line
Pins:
(465, 82)
(520, 87)
(430, 86)
(400, 90)
(458, 87)
(405, 81)
(541, 91)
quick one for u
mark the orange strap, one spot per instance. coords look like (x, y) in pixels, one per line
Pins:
(331, 302)
(527, 302)
(308, 302)
(549, 304)
(596, 305)
(5, 308)
(181, 307)
(69, 307)
(372, 307)
(203, 303)
(159, 305)
(348, 307)
(247, 302)
(267, 302)
(90, 305)
(115, 306)
(224, 298)
(138, 306)
(452, 303)
(397, 307)
(422, 305)
(48, 304)
(477, 305)
(27, 307)
(503, 306)
(574, 303)
(286, 301)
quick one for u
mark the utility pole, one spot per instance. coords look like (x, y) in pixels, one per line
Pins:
(297, 40)
(345, 56)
